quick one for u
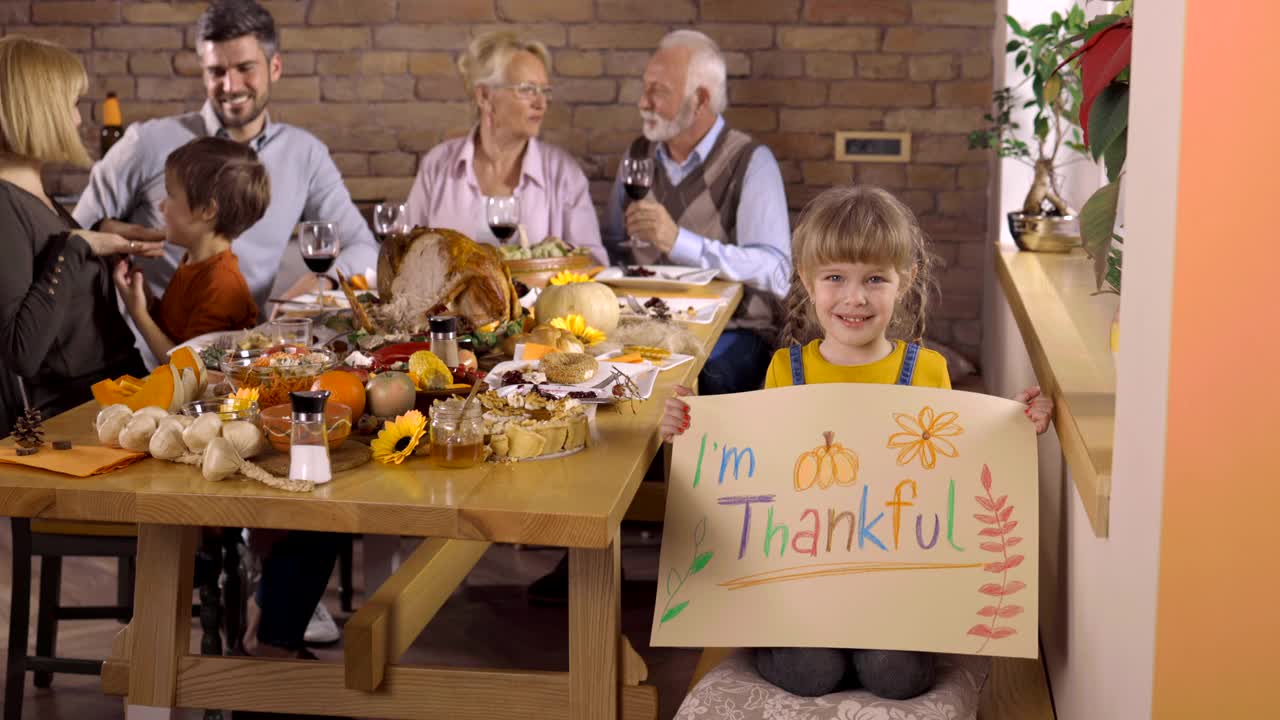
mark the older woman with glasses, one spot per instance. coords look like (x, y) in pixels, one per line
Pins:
(506, 77)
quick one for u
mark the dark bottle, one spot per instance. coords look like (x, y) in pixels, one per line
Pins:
(112, 123)
(502, 232)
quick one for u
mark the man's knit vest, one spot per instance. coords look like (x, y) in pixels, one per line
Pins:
(706, 202)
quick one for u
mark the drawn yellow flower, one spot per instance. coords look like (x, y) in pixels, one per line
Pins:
(240, 400)
(568, 277)
(925, 437)
(399, 438)
(577, 325)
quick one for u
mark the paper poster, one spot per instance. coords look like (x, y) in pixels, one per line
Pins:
(852, 515)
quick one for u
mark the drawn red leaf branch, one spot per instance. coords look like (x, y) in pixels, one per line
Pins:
(999, 525)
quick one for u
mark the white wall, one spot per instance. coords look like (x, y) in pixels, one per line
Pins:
(1098, 597)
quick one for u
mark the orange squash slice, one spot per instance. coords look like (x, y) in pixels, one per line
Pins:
(185, 358)
(162, 388)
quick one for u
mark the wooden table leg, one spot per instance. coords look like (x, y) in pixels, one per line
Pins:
(595, 595)
(160, 633)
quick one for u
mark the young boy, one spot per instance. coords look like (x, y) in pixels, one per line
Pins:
(216, 189)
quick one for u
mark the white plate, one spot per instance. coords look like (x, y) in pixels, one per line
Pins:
(671, 361)
(703, 309)
(643, 375)
(670, 276)
(200, 342)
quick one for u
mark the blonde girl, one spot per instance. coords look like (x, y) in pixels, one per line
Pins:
(856, 312)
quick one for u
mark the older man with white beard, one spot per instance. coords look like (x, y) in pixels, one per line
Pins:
(717, 201)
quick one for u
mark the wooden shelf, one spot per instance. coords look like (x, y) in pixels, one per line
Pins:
(1067, 330)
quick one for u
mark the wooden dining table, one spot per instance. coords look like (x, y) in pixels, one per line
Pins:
(576, 502)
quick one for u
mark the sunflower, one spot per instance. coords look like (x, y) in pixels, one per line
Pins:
(577, 325)
(568, 277)
(398, 438)
(925, 437)
(241, 400)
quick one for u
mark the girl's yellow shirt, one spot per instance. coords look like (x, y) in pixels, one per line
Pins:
(931, 368)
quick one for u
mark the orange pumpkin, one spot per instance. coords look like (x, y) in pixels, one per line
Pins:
(185, 358)
(162, 388)
(344, 387)
(826, 465)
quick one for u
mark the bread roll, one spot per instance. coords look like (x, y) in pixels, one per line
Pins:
(564, 368)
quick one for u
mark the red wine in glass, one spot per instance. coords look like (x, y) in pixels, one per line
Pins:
(636, 191)
(504, 231)
(319, 263)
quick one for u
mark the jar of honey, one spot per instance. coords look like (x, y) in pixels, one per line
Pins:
(457, 438)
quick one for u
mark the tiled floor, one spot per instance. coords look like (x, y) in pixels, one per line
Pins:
(487, 623)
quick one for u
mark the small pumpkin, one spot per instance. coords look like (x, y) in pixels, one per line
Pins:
(594, 301)
(163, 388)
(185, 358)
(826, 465)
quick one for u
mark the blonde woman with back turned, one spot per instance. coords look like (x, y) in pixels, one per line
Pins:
(60, 328)
(506, 76)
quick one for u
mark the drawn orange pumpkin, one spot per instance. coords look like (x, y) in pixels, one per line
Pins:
(826, 465)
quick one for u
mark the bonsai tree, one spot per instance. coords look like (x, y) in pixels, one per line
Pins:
(1038, 52)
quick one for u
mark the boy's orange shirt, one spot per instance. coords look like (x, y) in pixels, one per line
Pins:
(204, 297)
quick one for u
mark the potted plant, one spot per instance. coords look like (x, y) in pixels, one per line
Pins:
(1103, 60)
(1045, 222)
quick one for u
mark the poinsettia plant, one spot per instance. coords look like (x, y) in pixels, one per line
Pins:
(1103, 60)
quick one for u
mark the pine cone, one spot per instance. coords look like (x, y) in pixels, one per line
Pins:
(27, 431)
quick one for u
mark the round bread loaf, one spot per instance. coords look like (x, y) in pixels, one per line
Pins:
(569, 368)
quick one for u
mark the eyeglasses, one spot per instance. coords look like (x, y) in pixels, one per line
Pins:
(528, 91)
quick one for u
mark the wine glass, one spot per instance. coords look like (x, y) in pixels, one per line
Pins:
(637, 178)
(389, 218)
(319, 244)
(503, 216)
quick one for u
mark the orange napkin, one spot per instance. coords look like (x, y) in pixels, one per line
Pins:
(79, 461)
(535, 351)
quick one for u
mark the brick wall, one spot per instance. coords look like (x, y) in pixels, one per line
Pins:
(374, 79)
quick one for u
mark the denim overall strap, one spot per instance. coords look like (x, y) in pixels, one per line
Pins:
(797, 365)
(909, 364)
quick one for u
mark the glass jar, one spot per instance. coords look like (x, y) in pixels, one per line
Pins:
(457, 440)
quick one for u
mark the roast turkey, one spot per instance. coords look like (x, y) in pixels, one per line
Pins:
(435, 271)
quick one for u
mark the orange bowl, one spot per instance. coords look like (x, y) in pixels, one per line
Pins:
(277, 423)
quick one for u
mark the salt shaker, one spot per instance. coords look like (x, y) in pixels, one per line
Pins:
(444, 339)
(308, 437)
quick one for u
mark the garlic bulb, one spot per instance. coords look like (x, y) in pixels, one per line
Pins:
(111, 410)
(245, 437)
(182, 422)
(166, 443)
(137, 434)
(200, 432)
(220, 459)
(152, 411)
(110, 422)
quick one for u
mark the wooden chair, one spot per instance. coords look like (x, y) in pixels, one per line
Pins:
(53, 540)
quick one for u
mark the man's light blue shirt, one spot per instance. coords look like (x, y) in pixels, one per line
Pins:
(761, 259)
(128, 184)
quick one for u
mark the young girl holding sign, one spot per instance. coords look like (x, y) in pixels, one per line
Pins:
(862, 275)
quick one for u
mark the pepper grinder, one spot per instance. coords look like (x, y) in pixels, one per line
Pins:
(308, 437)
(444, 339)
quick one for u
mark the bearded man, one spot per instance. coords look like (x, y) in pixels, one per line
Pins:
(238, 49)
(717, 201)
